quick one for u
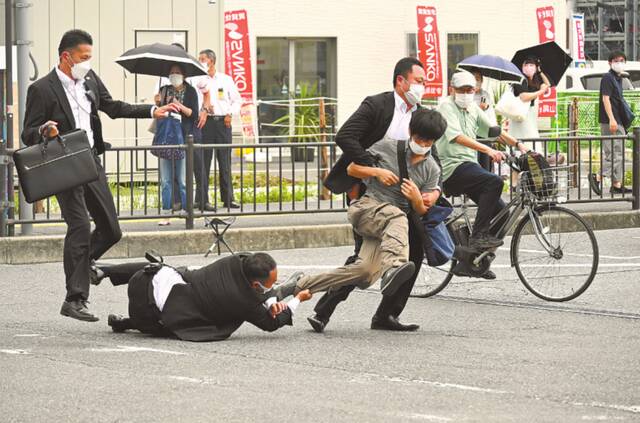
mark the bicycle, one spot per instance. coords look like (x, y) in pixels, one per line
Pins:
(546, 235)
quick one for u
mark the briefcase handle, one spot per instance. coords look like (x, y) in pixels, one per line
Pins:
(46, 141)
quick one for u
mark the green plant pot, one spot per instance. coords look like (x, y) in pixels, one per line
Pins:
(303, 154)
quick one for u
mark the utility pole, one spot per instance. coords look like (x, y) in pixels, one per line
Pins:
(7, 176)
(23, 43)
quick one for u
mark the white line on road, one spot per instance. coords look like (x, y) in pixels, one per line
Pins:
(576, 254)
(398, 379)
(190, 380)
(14, 352)
(27, 335)
(128, 349)
(629, 408)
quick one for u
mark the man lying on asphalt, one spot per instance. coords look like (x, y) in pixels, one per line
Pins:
(380, 215)
(207, 304)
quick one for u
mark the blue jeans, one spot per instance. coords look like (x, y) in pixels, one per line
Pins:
(169, 168)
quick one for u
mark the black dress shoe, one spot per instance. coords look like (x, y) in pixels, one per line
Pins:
(489, 275)
(620, 190)
(118, 323)
(232, 205)
(207, 207)
(78, 310)
(392, 323)
(395, 277)
(317, 323)
(596, 186)
(96, 275)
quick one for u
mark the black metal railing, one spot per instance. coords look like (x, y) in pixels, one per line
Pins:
(283, 178)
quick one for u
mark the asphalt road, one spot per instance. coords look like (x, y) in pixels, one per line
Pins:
(486, 351)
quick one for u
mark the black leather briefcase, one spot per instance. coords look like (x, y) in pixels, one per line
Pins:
(55, 165)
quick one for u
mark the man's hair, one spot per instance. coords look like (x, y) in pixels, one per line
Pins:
(404, 66)
(427, 124)
(72, 39)
(256, 267)
(615, 54)
(178, 45)
(209, 53)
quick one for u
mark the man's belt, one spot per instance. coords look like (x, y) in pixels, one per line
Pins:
(216, 117)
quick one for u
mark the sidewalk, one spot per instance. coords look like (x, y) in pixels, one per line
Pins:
(249, 233)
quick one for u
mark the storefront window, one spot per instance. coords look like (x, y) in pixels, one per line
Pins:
(289, 68)
(459, 46)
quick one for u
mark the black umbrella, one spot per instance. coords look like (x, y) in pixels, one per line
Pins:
(157, 59)
(553, 60)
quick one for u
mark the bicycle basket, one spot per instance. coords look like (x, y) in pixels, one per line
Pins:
(546, 184)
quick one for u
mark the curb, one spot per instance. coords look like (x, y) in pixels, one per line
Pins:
(49, 248)
(42, 249)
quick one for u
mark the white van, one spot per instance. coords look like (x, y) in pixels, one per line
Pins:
(588, 79)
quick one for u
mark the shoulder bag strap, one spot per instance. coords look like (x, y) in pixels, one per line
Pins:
(402, 159)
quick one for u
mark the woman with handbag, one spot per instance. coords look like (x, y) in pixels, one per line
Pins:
(174, 131)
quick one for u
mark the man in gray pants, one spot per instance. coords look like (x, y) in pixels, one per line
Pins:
(615, 117)
(380, 216)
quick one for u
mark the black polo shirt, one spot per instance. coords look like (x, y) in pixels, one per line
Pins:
(611, 85)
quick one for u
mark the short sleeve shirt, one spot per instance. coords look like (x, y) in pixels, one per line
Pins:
(611, 85)
(472, 122)
(425, 174)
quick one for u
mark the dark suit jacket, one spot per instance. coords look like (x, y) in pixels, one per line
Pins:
(47, 100)
(365, 127)
(215, 301)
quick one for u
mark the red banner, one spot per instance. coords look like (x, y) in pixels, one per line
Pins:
(547, 105)
(238, 62)
(429, 50)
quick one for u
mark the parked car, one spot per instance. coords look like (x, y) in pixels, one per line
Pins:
(588, 79)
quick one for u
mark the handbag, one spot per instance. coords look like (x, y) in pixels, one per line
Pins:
(512, 107)
(55, 165)
(169, 132)
(436, 240)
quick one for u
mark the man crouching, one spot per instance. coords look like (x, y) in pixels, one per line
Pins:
(206, 304)
(380, 215)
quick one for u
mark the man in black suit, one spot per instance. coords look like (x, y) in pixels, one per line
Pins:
(68, 98)
(385, 114)
(207, 304)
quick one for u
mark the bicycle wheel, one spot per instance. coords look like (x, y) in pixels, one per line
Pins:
(568, 267)
(432, 280)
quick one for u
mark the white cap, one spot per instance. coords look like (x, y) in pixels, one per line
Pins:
(463, 79)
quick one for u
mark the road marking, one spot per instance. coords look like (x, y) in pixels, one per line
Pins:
(577, 254)
(190, 380)
(630, 408)
(514, 304)
(130, 349)
(437, 384)
(419, 416)
(27, 335)
(15, 352)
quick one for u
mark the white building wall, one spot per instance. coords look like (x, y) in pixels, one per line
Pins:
(371, 34)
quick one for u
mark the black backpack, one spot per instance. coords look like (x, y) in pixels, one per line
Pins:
(539, 178)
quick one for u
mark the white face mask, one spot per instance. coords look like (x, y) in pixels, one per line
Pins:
(176, 79)
(618, 67)
(415, 93)
(261, 288)
(417, 149)
(80, 70)
(464, 100)
(204, 65)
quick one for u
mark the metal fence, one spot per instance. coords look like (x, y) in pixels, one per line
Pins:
(287, 178)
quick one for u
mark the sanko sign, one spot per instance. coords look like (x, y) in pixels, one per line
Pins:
(429, 50)
(237, 55)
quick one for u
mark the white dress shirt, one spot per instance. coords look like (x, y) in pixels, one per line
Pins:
(163, 282)
(224, 95)
(399, 127)
(79, 102)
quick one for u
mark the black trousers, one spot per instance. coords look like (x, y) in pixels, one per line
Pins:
(484, 161)
(213, 132)
(391, 305)
(80, 244)
(483, 187)
(120, 274)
